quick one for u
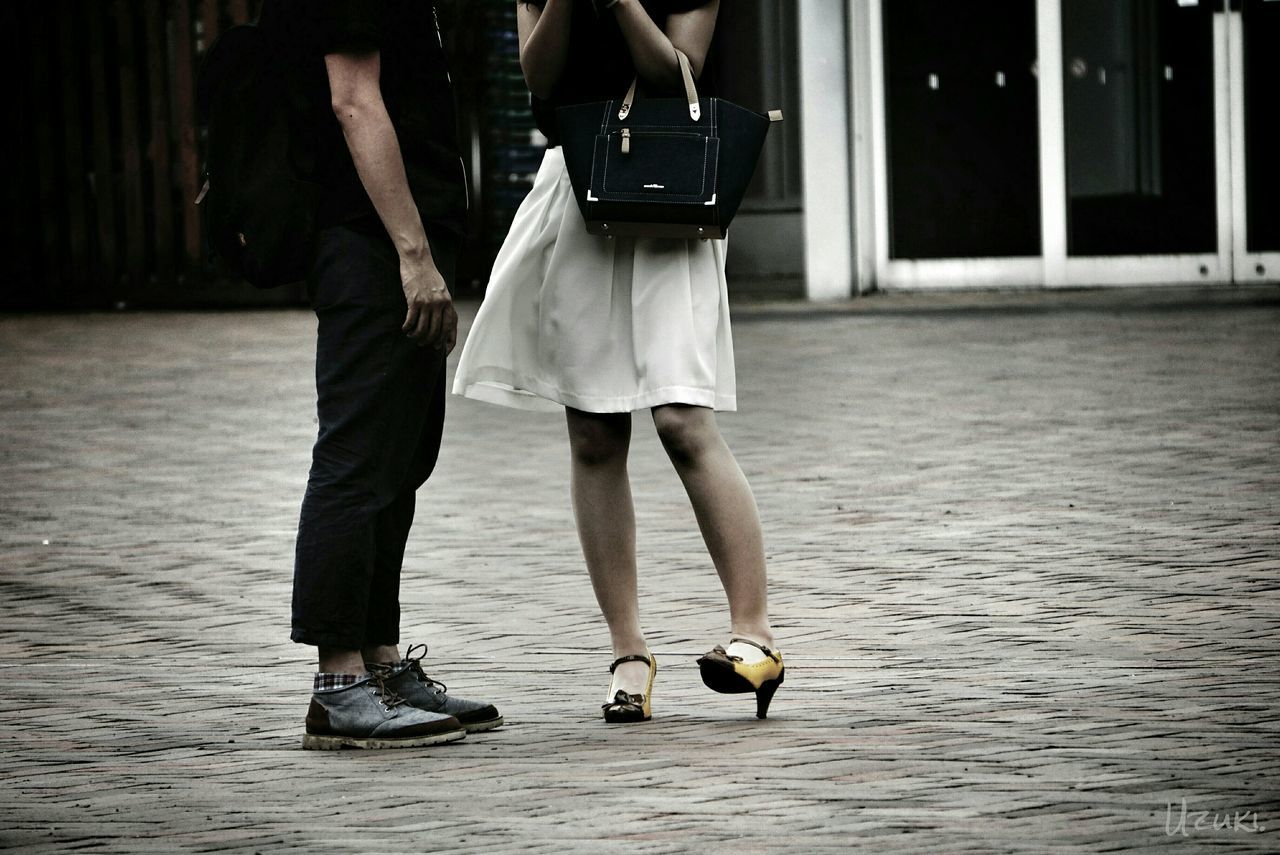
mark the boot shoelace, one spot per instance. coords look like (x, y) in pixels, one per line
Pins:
(389, 698)
(415, 665)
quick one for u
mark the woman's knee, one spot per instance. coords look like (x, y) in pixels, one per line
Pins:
(599, 439)
(686, 432)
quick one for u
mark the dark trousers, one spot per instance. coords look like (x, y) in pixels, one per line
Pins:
(380, 401)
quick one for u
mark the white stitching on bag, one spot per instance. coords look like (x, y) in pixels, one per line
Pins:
(649, 197)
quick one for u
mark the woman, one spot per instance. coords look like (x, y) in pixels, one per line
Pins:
(602, 327)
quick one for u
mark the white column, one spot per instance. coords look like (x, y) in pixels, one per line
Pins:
(864, 56)
(1053, 153)
(824, 150)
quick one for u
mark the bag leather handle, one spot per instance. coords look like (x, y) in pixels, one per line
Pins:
(690, 90)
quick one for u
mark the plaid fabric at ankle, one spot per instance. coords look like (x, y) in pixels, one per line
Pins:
(329, 682)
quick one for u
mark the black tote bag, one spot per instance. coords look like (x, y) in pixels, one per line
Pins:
(661, 167)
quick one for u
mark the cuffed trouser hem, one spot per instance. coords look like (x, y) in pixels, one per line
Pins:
(301, 635)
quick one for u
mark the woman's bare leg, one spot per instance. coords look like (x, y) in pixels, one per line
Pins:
(606, 518)
(726, 512)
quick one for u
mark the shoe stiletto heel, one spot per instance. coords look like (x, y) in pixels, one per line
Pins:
(764, 695)
(624, 708)
(729, 675)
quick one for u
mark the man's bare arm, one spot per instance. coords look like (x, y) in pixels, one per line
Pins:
(356, 95)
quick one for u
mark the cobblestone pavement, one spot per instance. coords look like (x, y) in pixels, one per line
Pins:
(1025, 558)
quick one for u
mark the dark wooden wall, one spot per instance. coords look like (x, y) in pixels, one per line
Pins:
(106, 157)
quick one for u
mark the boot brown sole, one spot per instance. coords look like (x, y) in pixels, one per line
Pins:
(313, 742)
(482, 726)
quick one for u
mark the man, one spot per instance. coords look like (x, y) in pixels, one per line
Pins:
(393, 205)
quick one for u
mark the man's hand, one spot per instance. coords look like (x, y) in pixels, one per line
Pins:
(431, 319)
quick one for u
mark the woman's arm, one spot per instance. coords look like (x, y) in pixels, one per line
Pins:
(652, 49)
(544, 43)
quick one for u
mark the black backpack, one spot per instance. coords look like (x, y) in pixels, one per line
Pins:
(259, 206)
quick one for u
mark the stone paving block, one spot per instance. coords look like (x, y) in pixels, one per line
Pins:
(1025, 561)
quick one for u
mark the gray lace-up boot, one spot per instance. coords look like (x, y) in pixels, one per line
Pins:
(369, 714)
(409, 682)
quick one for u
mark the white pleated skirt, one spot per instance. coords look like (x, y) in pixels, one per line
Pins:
(605, 325)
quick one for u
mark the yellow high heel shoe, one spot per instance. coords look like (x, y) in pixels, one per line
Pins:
(731, 676)
(622, 707)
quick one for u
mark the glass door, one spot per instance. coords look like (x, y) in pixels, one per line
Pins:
(1253, 36)
(1169, 129)
(1075, 142)
(1139, 127)
(1143, 142)
(957, 163)
(962, 147)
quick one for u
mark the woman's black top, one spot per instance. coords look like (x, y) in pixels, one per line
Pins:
(599, 65)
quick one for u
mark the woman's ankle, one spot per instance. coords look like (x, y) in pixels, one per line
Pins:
(761, 634)
(632, 675)
(629, 645)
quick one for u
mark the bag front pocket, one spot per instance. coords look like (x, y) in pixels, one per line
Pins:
(659, 166)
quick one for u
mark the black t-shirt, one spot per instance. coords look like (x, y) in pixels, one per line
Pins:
(599, 65)
(415, 87)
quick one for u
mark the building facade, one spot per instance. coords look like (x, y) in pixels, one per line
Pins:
(1038, 143)
(927, 144)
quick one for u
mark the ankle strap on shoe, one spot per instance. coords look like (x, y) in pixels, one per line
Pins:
(634, 657)
(766, 651)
